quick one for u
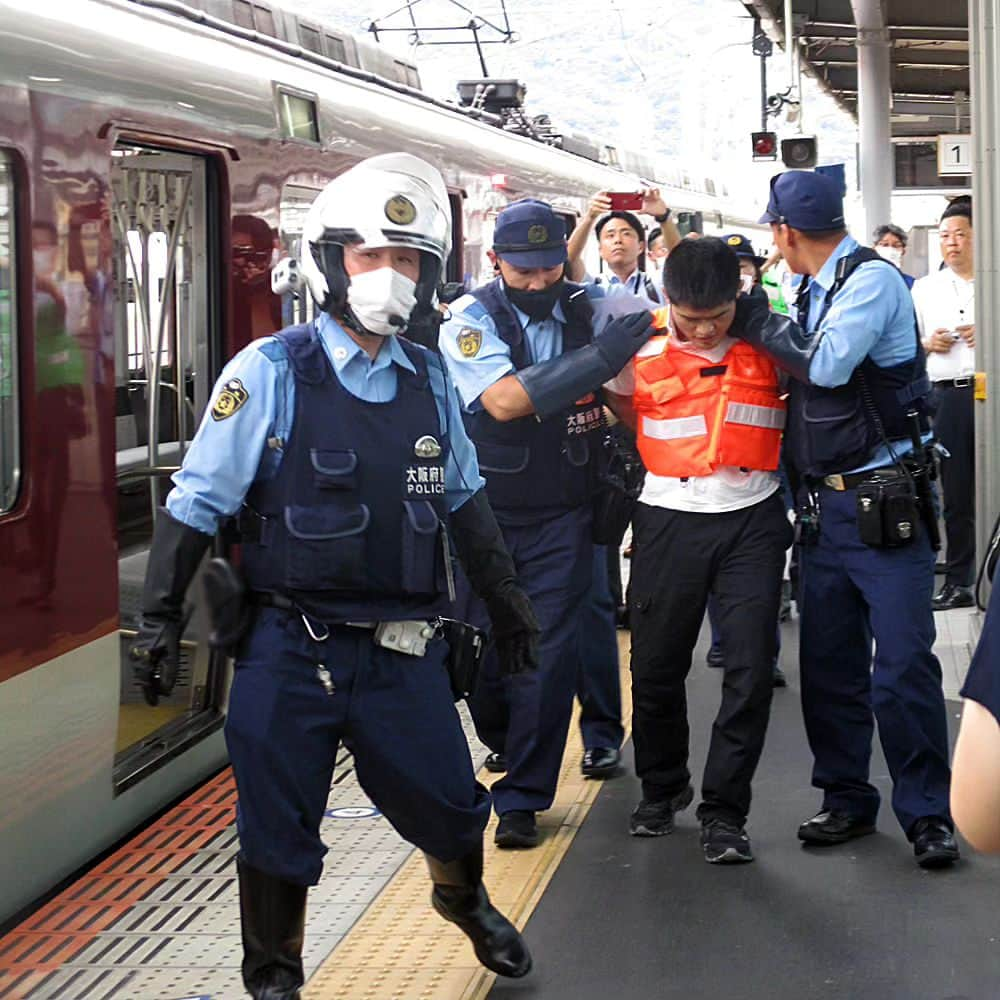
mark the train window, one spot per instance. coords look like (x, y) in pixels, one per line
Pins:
(243, 13)
(299, 119)
(264, 20)
(10, 459)
(295, 203)
(454, 266)
(336, 49)
(309, 38)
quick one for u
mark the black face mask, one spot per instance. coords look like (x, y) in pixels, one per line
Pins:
(537, 305)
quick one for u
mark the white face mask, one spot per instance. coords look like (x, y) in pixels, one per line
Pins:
(892, 254)
(382, 300)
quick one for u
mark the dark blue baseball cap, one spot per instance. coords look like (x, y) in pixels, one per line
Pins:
(805, 200)
(742, 247)
(529, 234)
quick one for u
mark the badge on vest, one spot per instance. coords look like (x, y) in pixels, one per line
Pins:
(469, 341)
(427, 447)
(229, 400)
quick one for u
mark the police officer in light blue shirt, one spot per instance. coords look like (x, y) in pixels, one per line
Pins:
(339, 450)
(522, 353)
(858, 401)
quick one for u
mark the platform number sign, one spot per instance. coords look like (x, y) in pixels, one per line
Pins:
(954, 154)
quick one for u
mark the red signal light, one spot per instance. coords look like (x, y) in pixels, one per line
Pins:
(765, 145)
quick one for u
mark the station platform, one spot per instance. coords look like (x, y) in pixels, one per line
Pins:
(605, 914)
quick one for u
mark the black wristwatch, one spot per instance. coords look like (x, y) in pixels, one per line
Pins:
(662, 218)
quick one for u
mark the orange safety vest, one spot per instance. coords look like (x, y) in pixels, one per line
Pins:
(694, 416)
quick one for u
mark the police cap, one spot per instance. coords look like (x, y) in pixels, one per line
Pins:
(742, 247)
(805, 200)
(529, 234)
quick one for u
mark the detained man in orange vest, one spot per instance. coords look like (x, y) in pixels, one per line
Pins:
(708, 415)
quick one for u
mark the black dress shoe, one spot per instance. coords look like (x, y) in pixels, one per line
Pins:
(952, 596)
(495, 763)
(934, 844)
(601, 762)
(778, 678)
(832, 827)
(517, 828)
(714, 657)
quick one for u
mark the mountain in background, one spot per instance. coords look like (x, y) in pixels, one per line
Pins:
(673, 77)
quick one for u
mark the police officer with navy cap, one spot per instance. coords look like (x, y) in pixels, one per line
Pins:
(856, 441)
(523, 356)
(340, 449)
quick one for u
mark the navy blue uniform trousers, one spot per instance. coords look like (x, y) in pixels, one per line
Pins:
(526, 716)
(395, 713)
(598, 683)
(851, 596)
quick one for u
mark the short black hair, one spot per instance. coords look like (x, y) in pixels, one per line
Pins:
(628, 217)
(654, 234)
(962, 205)
(889, 229)
(702, 274)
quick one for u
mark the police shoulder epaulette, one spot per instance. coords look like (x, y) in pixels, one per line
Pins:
(273, 349)
(470, 306)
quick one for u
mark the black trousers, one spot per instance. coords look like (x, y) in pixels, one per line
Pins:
(679, 558)
(955, 427)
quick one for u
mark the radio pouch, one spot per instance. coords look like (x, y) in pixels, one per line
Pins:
(466, 647)
(887, 512)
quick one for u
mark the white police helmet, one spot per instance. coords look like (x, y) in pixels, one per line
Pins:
(391, 200)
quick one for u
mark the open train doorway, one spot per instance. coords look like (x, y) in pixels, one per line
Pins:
(166, 335)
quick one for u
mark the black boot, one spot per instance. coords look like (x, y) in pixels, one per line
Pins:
(460, 896)
(273, 921)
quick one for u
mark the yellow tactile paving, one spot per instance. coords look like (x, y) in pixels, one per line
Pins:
(400, 949)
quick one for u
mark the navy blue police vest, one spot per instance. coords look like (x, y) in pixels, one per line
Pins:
(836, 430)
(353, 522)
(531, 464)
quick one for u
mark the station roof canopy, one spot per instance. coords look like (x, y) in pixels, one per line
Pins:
(929, 46)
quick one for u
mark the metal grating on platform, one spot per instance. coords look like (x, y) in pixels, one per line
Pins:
(159, 919)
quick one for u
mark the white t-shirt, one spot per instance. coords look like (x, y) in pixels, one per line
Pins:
(944, 300)
(728, 488)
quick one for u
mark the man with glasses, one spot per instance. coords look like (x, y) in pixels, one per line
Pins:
(858, 388)
(945, 304)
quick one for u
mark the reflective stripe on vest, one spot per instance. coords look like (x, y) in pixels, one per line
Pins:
(696, 416)
(754, 416)
(679, 427)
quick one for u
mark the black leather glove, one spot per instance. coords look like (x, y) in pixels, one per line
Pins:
(622, 337)
(514, 629)
(553, 385)
(156, 655)
(174, 557)
(490, 570)
(779, 337)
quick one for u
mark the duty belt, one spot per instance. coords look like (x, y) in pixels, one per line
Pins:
(409, 636)
(848, 481)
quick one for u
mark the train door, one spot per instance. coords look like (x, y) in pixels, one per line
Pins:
(164, 326)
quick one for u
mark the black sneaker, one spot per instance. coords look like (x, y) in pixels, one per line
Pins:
(725, 843)
(495, 763)
(517, 828)
(655, 818)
